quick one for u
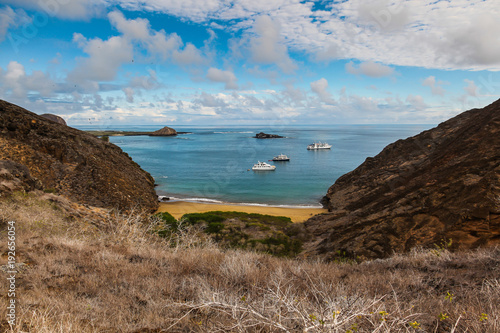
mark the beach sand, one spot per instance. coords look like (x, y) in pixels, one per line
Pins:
(179, 208)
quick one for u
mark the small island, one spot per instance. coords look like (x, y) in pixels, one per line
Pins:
(263, 135)
(165, 131)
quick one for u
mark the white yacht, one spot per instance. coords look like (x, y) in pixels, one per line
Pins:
(281, 157)
(263, 166)
(319, 145)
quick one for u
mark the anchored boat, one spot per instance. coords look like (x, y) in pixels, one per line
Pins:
(263, 166)
(319, 145)
(281, 157)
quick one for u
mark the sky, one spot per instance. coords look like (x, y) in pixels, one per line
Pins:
(241, 62)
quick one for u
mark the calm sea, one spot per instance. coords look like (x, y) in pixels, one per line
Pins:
(214, 163)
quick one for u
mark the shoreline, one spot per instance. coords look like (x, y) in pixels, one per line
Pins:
(178, 208)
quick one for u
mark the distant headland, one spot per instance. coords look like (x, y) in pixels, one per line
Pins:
(165, 131)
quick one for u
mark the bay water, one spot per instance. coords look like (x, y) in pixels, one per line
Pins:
(213, 164)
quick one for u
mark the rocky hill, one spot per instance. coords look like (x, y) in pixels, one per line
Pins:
(439, 185)
(71, 162)
(165, 131)
(54, 118)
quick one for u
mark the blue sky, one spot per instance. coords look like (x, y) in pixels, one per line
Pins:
(182, 62)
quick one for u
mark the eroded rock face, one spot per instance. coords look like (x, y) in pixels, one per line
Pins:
(165, 131)
(74, 163)
(16, 177)
(441, 184)
(54, 118)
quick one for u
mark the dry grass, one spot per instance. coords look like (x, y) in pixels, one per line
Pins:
(113, 275)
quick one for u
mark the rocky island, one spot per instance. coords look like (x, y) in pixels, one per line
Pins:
(263, 135)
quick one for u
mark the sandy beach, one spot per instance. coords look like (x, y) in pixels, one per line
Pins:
(179, 208)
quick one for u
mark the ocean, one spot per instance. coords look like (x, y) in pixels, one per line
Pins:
(213, 164)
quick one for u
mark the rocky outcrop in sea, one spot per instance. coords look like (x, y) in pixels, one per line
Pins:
(165, 131)
(440, 188)
(72, 163)
(263, 135)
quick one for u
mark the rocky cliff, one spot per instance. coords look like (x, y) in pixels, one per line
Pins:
(72, 163)
(439, 185)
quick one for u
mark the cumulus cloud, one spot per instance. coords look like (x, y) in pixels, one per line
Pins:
(369, 68)
(387, 16)
(473, 43)
(11, 19)
(134, 29)
(227, 77)
(436, 87)
(268, 47)
(211, 101)
(105, 58)
(129, 94)
(471, 88)
(320, 88)
(16, 83)
(74, 9)
(158, 43)
(416, 101)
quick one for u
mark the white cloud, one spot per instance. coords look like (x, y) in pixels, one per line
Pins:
(320, 88)
(387, 16)
(471, 88)
(74, 9)
(434, 34)
(157, 42)
(104, 61)
(16, 83)
(10, 19)
(416, 101)
(474, 42)
(268, 47)
(369, 68)
(133, 29)
(190, 55)
(129, 94)
(227, 77)
(436, 88)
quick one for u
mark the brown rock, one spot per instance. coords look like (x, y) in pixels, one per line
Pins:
(263, 135)
(165, 131)
(443, 183)
(74, 163)
(54, 118)
(16, 177)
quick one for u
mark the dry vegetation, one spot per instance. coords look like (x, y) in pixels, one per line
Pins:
(114, 275)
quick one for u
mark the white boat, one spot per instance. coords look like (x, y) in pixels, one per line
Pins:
(319, 145)
(281, 157)
(263, 166)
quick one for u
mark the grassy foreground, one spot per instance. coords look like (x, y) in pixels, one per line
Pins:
(88, 270)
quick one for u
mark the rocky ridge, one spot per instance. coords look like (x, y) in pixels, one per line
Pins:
(423, 191)
(71, 162)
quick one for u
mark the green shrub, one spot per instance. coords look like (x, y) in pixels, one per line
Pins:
(209, 217)
(214, 227)
(169, 224)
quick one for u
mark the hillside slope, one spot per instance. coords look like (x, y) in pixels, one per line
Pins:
(74, 163)
(441, 184)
